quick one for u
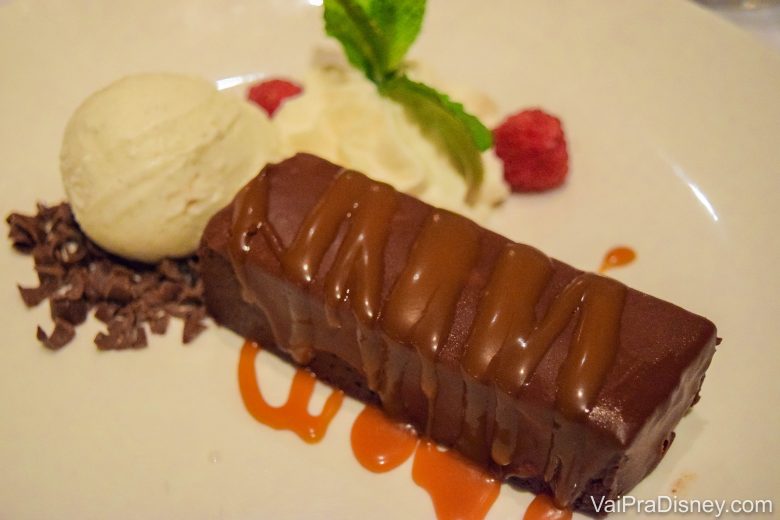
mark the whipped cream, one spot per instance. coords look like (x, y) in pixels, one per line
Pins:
(341, 117)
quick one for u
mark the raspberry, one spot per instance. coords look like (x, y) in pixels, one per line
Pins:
(269, 94)
(533, 148)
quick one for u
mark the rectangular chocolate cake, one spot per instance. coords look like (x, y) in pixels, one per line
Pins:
(568, 381)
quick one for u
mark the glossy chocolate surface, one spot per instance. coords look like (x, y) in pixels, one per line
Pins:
(521, 362)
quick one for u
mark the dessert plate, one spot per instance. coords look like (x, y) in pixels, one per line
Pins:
(672, 117)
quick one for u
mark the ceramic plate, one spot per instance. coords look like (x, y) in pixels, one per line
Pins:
(673, 119)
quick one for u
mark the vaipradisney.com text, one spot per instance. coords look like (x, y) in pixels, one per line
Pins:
(663, 504)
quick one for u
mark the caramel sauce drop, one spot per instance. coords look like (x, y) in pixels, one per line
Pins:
(292, 415)
(543, 508)
(379, 444)
(617, 257)
(459, 489)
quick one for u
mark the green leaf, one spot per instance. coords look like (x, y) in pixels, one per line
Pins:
(375, 34)
(349, 23)
(445, 121)
(400, 22)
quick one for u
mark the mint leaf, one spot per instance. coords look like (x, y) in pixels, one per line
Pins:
(400, 22)
(375, 34)
(461, 134)
(348, 22)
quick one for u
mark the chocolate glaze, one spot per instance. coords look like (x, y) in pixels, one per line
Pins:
(522, 363)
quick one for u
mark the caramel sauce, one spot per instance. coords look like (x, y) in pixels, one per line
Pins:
(507, 343)
(504, 321)
(250, 218)
(617, 257)
(507, 340)
(356, 273)
(458, 489)
(421, 306)
(380, 444)
(543, 508)
(506, 313)
(293, 415)
(599, 301)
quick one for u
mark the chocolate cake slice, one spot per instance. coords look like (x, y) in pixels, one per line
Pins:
(568, 381)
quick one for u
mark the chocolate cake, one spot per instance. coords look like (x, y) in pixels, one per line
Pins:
(569, 382)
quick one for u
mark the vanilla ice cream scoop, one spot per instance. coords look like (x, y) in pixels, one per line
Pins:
(149, 159)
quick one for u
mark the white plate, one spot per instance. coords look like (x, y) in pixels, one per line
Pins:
(673, 119)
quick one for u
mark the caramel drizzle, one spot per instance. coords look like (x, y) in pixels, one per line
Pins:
(378, 443)
(504, 320)
(458, 489)
(356, 274)
(599, 301)
(617, 257)
(421, 306)
(293, 415)
(357, 270)
(506, 343)
(250, 216)
(506, 314)
(543, 507)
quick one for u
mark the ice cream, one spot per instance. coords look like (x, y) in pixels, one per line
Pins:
(149, 159)
(341, 117)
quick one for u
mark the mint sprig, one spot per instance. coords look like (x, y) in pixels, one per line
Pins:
(375, 35)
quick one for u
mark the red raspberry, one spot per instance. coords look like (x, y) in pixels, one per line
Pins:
(270, 93)
(532, 145)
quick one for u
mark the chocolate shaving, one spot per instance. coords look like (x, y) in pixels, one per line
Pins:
(193, 324)
(105, 311)
(78, 277)
(24, 233)
(71, 311)
(62, 334)
(159, 324)
(32, 296)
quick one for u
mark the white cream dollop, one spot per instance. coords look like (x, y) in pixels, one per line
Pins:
(341, 117)
(149, 159)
